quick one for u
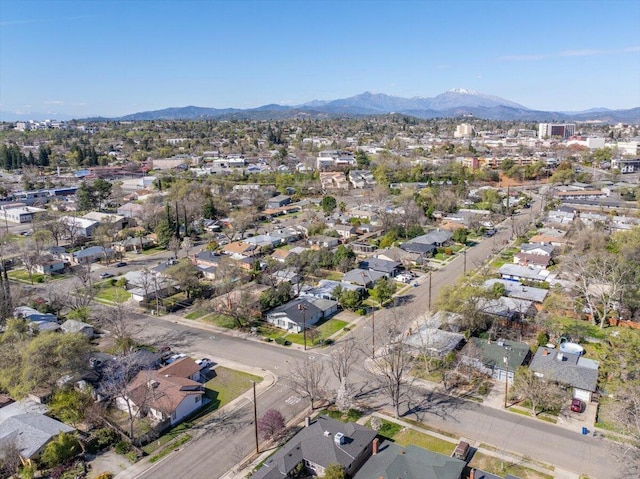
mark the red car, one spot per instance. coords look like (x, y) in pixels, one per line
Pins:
(577, 405)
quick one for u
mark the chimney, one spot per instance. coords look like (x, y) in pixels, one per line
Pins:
(307, 421)
(376, 443)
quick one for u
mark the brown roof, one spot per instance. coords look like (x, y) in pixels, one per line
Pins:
(529, 258)
(547, 239)
(238, 247)
(162, 393)
(182, 368)
(281, 253)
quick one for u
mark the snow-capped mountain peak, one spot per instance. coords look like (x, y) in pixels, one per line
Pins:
(463, 91)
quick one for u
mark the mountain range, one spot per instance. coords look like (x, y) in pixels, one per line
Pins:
(451, 104)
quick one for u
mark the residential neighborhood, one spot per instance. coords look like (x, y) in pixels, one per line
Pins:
(345, 292)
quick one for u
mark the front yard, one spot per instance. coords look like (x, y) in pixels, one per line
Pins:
(112, 294)
(226, 385)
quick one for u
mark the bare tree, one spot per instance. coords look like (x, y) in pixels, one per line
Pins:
(542, 395)
(10, 460)
(392, 364)
(117, 321)
(84, 290)
(343, 356)
(308, 379)
(174, 245)
(600, 280)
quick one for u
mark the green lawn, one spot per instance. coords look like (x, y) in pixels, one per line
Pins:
(326, 329)
(352, 415)
(416, 438)
(154, 250)
(113, 294)
(220, 320)
(501, 467)
(198, 313)
(334, 276)
(227, 385)
(22, 276)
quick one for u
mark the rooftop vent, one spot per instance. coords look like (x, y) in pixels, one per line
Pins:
(339, 438)
(327, 433)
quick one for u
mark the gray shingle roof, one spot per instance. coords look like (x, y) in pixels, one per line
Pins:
(382, 265)
(294, 314)
(493, 353)
(313, 445)
(31, 432)
(411, 462)
(519, 291)
(567, 371)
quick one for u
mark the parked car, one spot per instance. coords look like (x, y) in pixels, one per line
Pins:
(105, 275)
(120, 264)
(461, 451)
(204, 363)
(490, 232)
(577, 405)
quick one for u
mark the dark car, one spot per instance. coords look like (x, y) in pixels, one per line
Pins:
(577, 405)
(490, 232)
(120, 264)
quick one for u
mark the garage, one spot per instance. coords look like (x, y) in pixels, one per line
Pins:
(582, 394)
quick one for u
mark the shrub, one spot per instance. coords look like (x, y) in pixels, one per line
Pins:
(448, 251)
(543, 338)
(280, 340)
(104, 475)
(123, 447)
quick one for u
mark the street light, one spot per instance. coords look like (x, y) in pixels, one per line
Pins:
(506, 382)
(303, 308)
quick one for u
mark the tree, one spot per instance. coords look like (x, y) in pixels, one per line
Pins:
(328, 204)
(271, 424)
(393, 364)
(274, 297)
(186, 274)
(350, 299)
(600, 280)
(60, 450)
(308, 379)
(70, 405)
(164, 233)
(334, 471)
(383, 291)
(460, 235)
(10, 459)
(542, 395)
(344, 258)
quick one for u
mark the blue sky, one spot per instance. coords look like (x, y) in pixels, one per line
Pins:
(116, 57)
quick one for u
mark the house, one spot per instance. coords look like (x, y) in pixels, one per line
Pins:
(137, 244)
(89, 255)
(362, 179)
(568, 369)
(537, 249)
(277, 202)
(511, 309)
(399, 255)
(495, 358)
(295, 316)
(515, 272)
(18, 213)
(328, 307)
(240, 248)
(322, 442)
(436, 237)
(49, 265)
(207, 261)
(131, 210)
(519, 291)
(79, 226)
(73, 326)
(118, 222)
(345, 231)
(421, 249)
(31, 432)
(392, 461)
(363, 277)
(526, 259)
(281, 255)
(145, 285)
(325, 289)
(167, 399)
(433, 342)
(389, 268)
(184, 367)
(321, 241)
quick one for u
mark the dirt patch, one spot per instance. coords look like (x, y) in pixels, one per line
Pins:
(109, 461)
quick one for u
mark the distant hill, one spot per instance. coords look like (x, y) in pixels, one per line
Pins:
(451, 104)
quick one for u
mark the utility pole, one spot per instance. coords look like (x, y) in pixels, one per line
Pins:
(255, 416)
(430, 288)
(464, 252)
(506, 382)
(303, 308)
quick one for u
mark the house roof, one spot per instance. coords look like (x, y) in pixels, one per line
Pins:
(494, 352)
(73, 326)
(418, 248)
(378, 264)
(316, 444)
(103, 217)
(92, 251)
(433, 237)
(412, 462)
(528, 247)
(183, 368)
(396, 254)
(504, 306)
(295, 314)
(31, 432)
(362, 276)
(535, 259)
(239, 247)
(323, 305)
(517, 290)
(527, 272)
(565, 368)
(281, 253)
(161, 392)
(435, 340)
